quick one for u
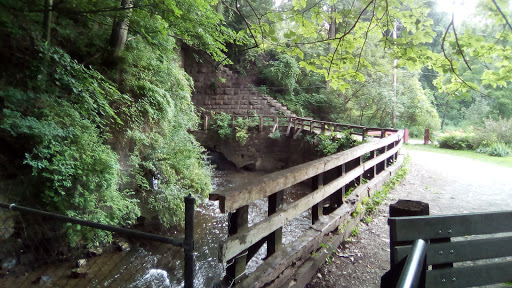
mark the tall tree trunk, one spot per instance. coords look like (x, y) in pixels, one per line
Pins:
(395, 62)
(120, 29)
(47, 20)
(445, 110)
(331, 34)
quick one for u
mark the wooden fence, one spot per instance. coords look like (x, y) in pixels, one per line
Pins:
(296, 125)
(331, 177)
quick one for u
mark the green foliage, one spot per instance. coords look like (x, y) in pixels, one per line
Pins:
(368, 219)
(347, 193)
(457, 140)
(492, 131)
(475, 114)
(417, 111)
(236, 128)
(329, 251)
(372, 203)
(63, 123)
(275, 135)
(359, 209)
(328, 144)
(160, 113)
(106, 137)
(355, 232)
(221, 122)
(282, 72)
(499, 149)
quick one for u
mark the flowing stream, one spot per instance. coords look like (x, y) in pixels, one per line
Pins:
(152, 264)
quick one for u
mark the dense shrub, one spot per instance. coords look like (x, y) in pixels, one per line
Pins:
(236, 128)
(282, 72)
(493, 131)
(458, 140)
(165, 162)
(499, 149)
(328, 144)
(103, 151)
(63, 124)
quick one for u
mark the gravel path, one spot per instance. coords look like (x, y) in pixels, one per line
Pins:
(450, 184)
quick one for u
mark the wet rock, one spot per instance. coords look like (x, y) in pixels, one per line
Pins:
(44, 280)
(122, 245)
(27, 258)
(7, 221)
(81, 263)
(9, 263)
(94, 252)
(79, 273)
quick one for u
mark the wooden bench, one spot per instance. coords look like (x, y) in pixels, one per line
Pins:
(433, 263)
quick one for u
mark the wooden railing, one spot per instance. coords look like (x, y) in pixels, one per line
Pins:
(331, 177)
(296, 125)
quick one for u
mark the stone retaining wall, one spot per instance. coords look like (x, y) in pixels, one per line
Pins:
(220, 89)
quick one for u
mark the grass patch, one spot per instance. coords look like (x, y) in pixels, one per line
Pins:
(502, 161)
(371, 204)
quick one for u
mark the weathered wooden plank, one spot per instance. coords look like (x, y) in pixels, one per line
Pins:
(382, 157)
(469, 276)
(444, 226)
(244, 194)
(317, 209)
(247, 237)
(275, 239)
(237, 220)
(297, 252)
(464, 250)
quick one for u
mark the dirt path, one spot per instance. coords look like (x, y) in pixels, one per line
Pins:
(450, 184)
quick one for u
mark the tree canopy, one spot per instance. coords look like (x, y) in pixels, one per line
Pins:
(95, 108)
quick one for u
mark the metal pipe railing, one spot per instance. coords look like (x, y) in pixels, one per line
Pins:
(414, 266)
(187, 243)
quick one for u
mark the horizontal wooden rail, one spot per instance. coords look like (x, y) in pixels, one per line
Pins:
(235, 197)
(330, 178)
(248, 236)
(306, 124)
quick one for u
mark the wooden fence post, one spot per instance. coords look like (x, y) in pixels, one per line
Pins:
(401, 208)
(316, 210)
(373, 170)
(261, 123)
(275, 239)
(382, 133)
(237, 220)
(188, 243)
(205, 122)
(426, 137)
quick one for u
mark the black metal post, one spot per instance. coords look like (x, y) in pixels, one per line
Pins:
(414, 266)
(188, 243)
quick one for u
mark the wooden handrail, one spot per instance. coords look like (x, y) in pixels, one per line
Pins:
(237, 198)
(234, 197)
(366, 160)
(303, 122)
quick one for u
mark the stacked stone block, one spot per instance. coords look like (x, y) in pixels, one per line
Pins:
(225, 91)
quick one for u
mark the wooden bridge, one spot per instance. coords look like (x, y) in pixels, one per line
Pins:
(295, 125)
(361, 170)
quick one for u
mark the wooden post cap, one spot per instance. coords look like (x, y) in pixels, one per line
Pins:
(404, 208)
